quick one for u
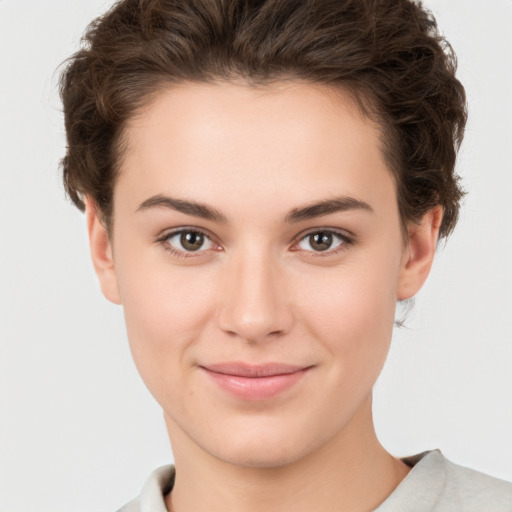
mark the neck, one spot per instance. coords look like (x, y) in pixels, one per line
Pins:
(352, 471)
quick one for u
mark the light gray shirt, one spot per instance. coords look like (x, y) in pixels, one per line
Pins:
(434, 484)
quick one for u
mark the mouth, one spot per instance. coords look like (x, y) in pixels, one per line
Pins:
(255, 382)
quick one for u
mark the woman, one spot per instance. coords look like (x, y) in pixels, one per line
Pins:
(262, 182)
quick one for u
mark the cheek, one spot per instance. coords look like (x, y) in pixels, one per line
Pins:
(166, 308)
(351, 310)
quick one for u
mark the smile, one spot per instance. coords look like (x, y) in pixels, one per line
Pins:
(249, 382)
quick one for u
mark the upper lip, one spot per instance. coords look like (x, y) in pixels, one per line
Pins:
(253, 370)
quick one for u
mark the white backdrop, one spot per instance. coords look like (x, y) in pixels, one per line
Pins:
(78, 430)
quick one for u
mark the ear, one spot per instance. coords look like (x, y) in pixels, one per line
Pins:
(419, 253)
(101, 253)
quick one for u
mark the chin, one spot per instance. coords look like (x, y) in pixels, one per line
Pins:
(264, 447)
(259, 456)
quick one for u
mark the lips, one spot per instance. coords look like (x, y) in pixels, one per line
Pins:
(247, 370)
(255, 382)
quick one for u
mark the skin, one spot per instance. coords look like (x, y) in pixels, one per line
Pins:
(259, 290)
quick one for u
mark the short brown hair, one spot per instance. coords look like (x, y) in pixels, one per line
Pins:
(387, 53)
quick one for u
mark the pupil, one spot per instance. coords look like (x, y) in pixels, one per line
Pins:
(321, 241)
(192, 241)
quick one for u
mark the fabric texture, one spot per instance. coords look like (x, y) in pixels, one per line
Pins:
(434, 484)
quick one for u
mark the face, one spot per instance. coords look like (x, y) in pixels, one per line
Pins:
(258, 255)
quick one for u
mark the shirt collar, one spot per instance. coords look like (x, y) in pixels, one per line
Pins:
(411, 494)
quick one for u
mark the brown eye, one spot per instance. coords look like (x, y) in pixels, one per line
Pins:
(186, 241)
(321, 241)
(191, 240)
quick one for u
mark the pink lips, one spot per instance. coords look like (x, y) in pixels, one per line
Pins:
(255, 382)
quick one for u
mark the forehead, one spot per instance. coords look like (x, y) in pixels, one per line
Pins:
(292, 140)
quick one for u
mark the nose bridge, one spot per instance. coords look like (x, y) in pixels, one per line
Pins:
(253, 302)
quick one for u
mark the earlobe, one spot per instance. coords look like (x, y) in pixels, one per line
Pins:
(101, 253)
(419, 253)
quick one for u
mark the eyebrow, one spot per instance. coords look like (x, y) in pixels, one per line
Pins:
(325, 207)
(184, 206)
(311, 211)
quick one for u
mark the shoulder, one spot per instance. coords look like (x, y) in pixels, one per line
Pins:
(132, 506)
(476, 491)
(436, 484)
(151, 498)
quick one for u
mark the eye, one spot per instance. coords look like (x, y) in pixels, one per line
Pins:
(187, 241)
(323, 241)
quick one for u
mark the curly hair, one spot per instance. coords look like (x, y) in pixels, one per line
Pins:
(388, 54)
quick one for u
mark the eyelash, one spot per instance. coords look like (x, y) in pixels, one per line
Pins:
(345, 239)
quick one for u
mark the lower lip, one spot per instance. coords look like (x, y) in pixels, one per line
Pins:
(255, 388)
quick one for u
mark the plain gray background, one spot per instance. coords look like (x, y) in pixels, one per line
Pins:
(78, 430)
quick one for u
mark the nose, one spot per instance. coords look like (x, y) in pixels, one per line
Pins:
(254, 305)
